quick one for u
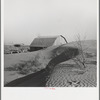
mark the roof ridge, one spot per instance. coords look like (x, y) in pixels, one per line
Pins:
(47, 36)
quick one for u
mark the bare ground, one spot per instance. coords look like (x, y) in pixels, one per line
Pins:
(66, 74)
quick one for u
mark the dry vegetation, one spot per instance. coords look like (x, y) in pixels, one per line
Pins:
(27, 67)
(80, 70)
(19, 65)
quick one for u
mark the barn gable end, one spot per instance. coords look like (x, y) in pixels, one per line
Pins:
(60, 40)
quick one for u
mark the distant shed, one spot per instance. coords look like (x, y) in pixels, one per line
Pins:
(44, 42)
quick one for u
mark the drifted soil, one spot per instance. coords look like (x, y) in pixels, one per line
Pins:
(65, 75)
(61, 71)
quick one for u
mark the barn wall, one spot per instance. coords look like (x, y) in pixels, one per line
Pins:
(59, 41)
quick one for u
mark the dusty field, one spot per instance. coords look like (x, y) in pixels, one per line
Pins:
(65, 74)
(69, 74)
(13, 60)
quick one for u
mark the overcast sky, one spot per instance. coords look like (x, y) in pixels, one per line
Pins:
(26, 19)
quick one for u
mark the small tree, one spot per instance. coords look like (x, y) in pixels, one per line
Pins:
(80, 60)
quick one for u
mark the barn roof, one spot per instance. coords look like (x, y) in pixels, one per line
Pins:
(43, 41)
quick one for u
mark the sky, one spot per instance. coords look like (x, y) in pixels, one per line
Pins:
(26, 19)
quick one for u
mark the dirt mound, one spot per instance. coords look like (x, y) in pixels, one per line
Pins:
(41, 76)
(63, 75)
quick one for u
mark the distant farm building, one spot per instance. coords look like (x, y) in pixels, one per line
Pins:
(16, 48)
(44, 42)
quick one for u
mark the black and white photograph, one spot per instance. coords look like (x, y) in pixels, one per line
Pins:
(50, 43)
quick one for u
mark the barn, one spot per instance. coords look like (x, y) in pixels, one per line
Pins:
(44, 42)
